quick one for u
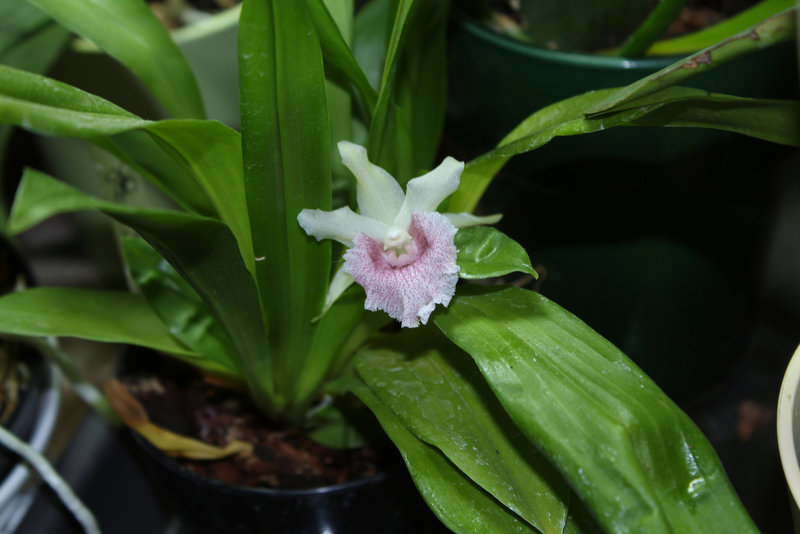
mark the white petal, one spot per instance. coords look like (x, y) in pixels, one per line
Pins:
(342, 225)
(426, 192)
(341, 281)
(378, 194)
(460, 220)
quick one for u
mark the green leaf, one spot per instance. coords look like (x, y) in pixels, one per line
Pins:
(344, 423)
(485, 252)
(594, 111)
(208, 152)
(634, 458)
(285, 136)
(329, 334)
(128, 31)
(460, 504)
(439, 396)
(773, 120)
(29, 39)
(372, 27)
(178, 305)
(771, 31)
(406, 127)
(686, 44)
(83, 313)
(421, 91)
(336, 52)
(652, 28)
(388, 133)
(142, 153)
(201, 249)
(343, 102)
(211, 153)
(50, 107)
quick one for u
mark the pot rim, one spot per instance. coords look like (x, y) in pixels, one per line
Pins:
(215, 23)
(788, 405)
(573, 59)
(178, 470)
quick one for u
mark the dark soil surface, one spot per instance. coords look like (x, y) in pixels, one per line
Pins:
(283, 457)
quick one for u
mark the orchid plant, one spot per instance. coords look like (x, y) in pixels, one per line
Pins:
(511, 414)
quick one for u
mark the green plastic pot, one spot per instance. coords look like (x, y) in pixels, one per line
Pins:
(653, 236)
(495, 82)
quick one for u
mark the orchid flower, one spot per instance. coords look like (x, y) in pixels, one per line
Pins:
(399, 248)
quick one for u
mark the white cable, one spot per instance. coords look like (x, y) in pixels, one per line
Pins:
(53, 479)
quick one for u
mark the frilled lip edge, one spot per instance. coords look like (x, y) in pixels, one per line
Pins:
(408, 293)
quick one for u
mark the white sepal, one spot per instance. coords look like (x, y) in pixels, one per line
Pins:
(341, 225)
(341, 281)
(378, 194)
(461, 220)
(426, 192)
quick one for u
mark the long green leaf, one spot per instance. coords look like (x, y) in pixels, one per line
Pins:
(143, 154)
(691, 42)
(344, 104)
(211, 153)
(372, 27)
(29, 100)
(201, 249)
(128, 31)
(773, 120)
(337, 54)
(208, 151)
(329, 335)
(285, 136)
(421, 91)
(388, 133)
(178, 305)
(632, 456)
(774, 30)
(460, 504)
(29, 40)
(441, 399)
(83, 313)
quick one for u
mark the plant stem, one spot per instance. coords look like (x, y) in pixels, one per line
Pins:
(652, 28)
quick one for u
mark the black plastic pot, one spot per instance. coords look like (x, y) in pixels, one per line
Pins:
(386, 503)
(34, 416)
(34, 371)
